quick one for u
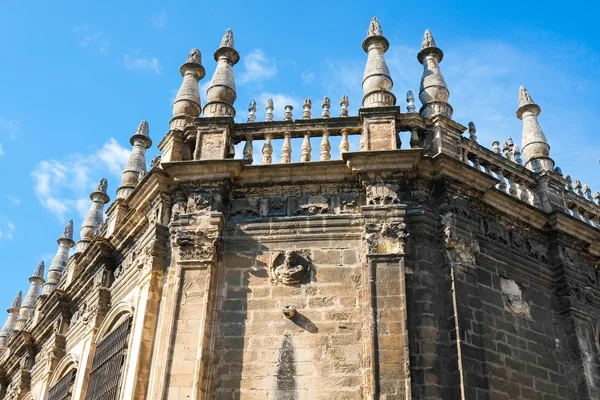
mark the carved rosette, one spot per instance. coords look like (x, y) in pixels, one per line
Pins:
(386, 237)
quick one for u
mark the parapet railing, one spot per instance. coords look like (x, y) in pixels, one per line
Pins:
(515, 180)
(581, 203)
(519, 182)
(270, 131)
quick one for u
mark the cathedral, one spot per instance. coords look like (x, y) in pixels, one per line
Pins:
(434, 269)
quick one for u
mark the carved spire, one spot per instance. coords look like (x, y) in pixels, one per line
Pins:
(136, 165)
(94, 217)
(59, 262)
(11, 321)
(434, 92)
(16, 304)
(535, 146)
(33, 293)
(221, 93)
(410, 99)
(187, 101)
(252, 111)
(377, 83)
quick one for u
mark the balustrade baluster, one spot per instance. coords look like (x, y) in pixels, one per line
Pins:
(344, 145)
(325, 147)
(305, 155)
(286, 149)
(248, 151)
(267, 149)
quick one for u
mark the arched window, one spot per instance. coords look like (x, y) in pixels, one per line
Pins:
(108, 363)
(63, 389)
(62, 380)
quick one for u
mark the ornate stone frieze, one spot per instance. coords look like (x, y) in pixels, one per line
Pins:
(348, 202)
(575, 291)
(313, 204)
(420, 192)
(382, 194)
(191, 200)
(244, 208)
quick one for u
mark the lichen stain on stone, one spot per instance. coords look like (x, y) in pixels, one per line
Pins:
(286, 370)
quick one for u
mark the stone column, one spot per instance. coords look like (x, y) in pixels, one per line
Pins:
(385, 234)
(181, 364)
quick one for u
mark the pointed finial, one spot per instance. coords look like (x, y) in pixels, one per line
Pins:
(68, 232)
(306, 113)
(143, 129)
(428, 40)
(326, 105)
(410, 99)
(252, 111)
(221, 93)
(377, 83)
(517, 153)
(344, 104)
(536, 149)
(287, 115)
(472, 131)
(597, 198)
(17, 301)
(524, 97)
(195, 57)
(227, 40)
(269, 108)
(102, 186)
(374, 28)
(434, 92)
(39, 271)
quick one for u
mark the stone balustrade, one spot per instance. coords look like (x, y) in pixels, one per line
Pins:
(514, 179)
(581, 203)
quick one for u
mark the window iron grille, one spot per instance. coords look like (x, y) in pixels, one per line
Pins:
(107, 366)
(62, 389)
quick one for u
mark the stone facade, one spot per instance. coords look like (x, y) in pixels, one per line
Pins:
(437, 270)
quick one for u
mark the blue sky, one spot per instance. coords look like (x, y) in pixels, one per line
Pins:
(75, 81)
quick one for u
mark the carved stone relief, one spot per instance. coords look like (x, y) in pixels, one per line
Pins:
(196, 245)
(291, 267)
(312, 205)
(386, 237)
(382, 194)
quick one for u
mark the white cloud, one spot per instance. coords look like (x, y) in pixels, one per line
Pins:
(133, 61)
(8, 231)
(1, 150)
(63, 186)
(159, 20)
(257, 67)
(280, 100)
(308, 77)
(91, 38)
(114, 156)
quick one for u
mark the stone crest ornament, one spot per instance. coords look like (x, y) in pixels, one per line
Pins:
(288, 267)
